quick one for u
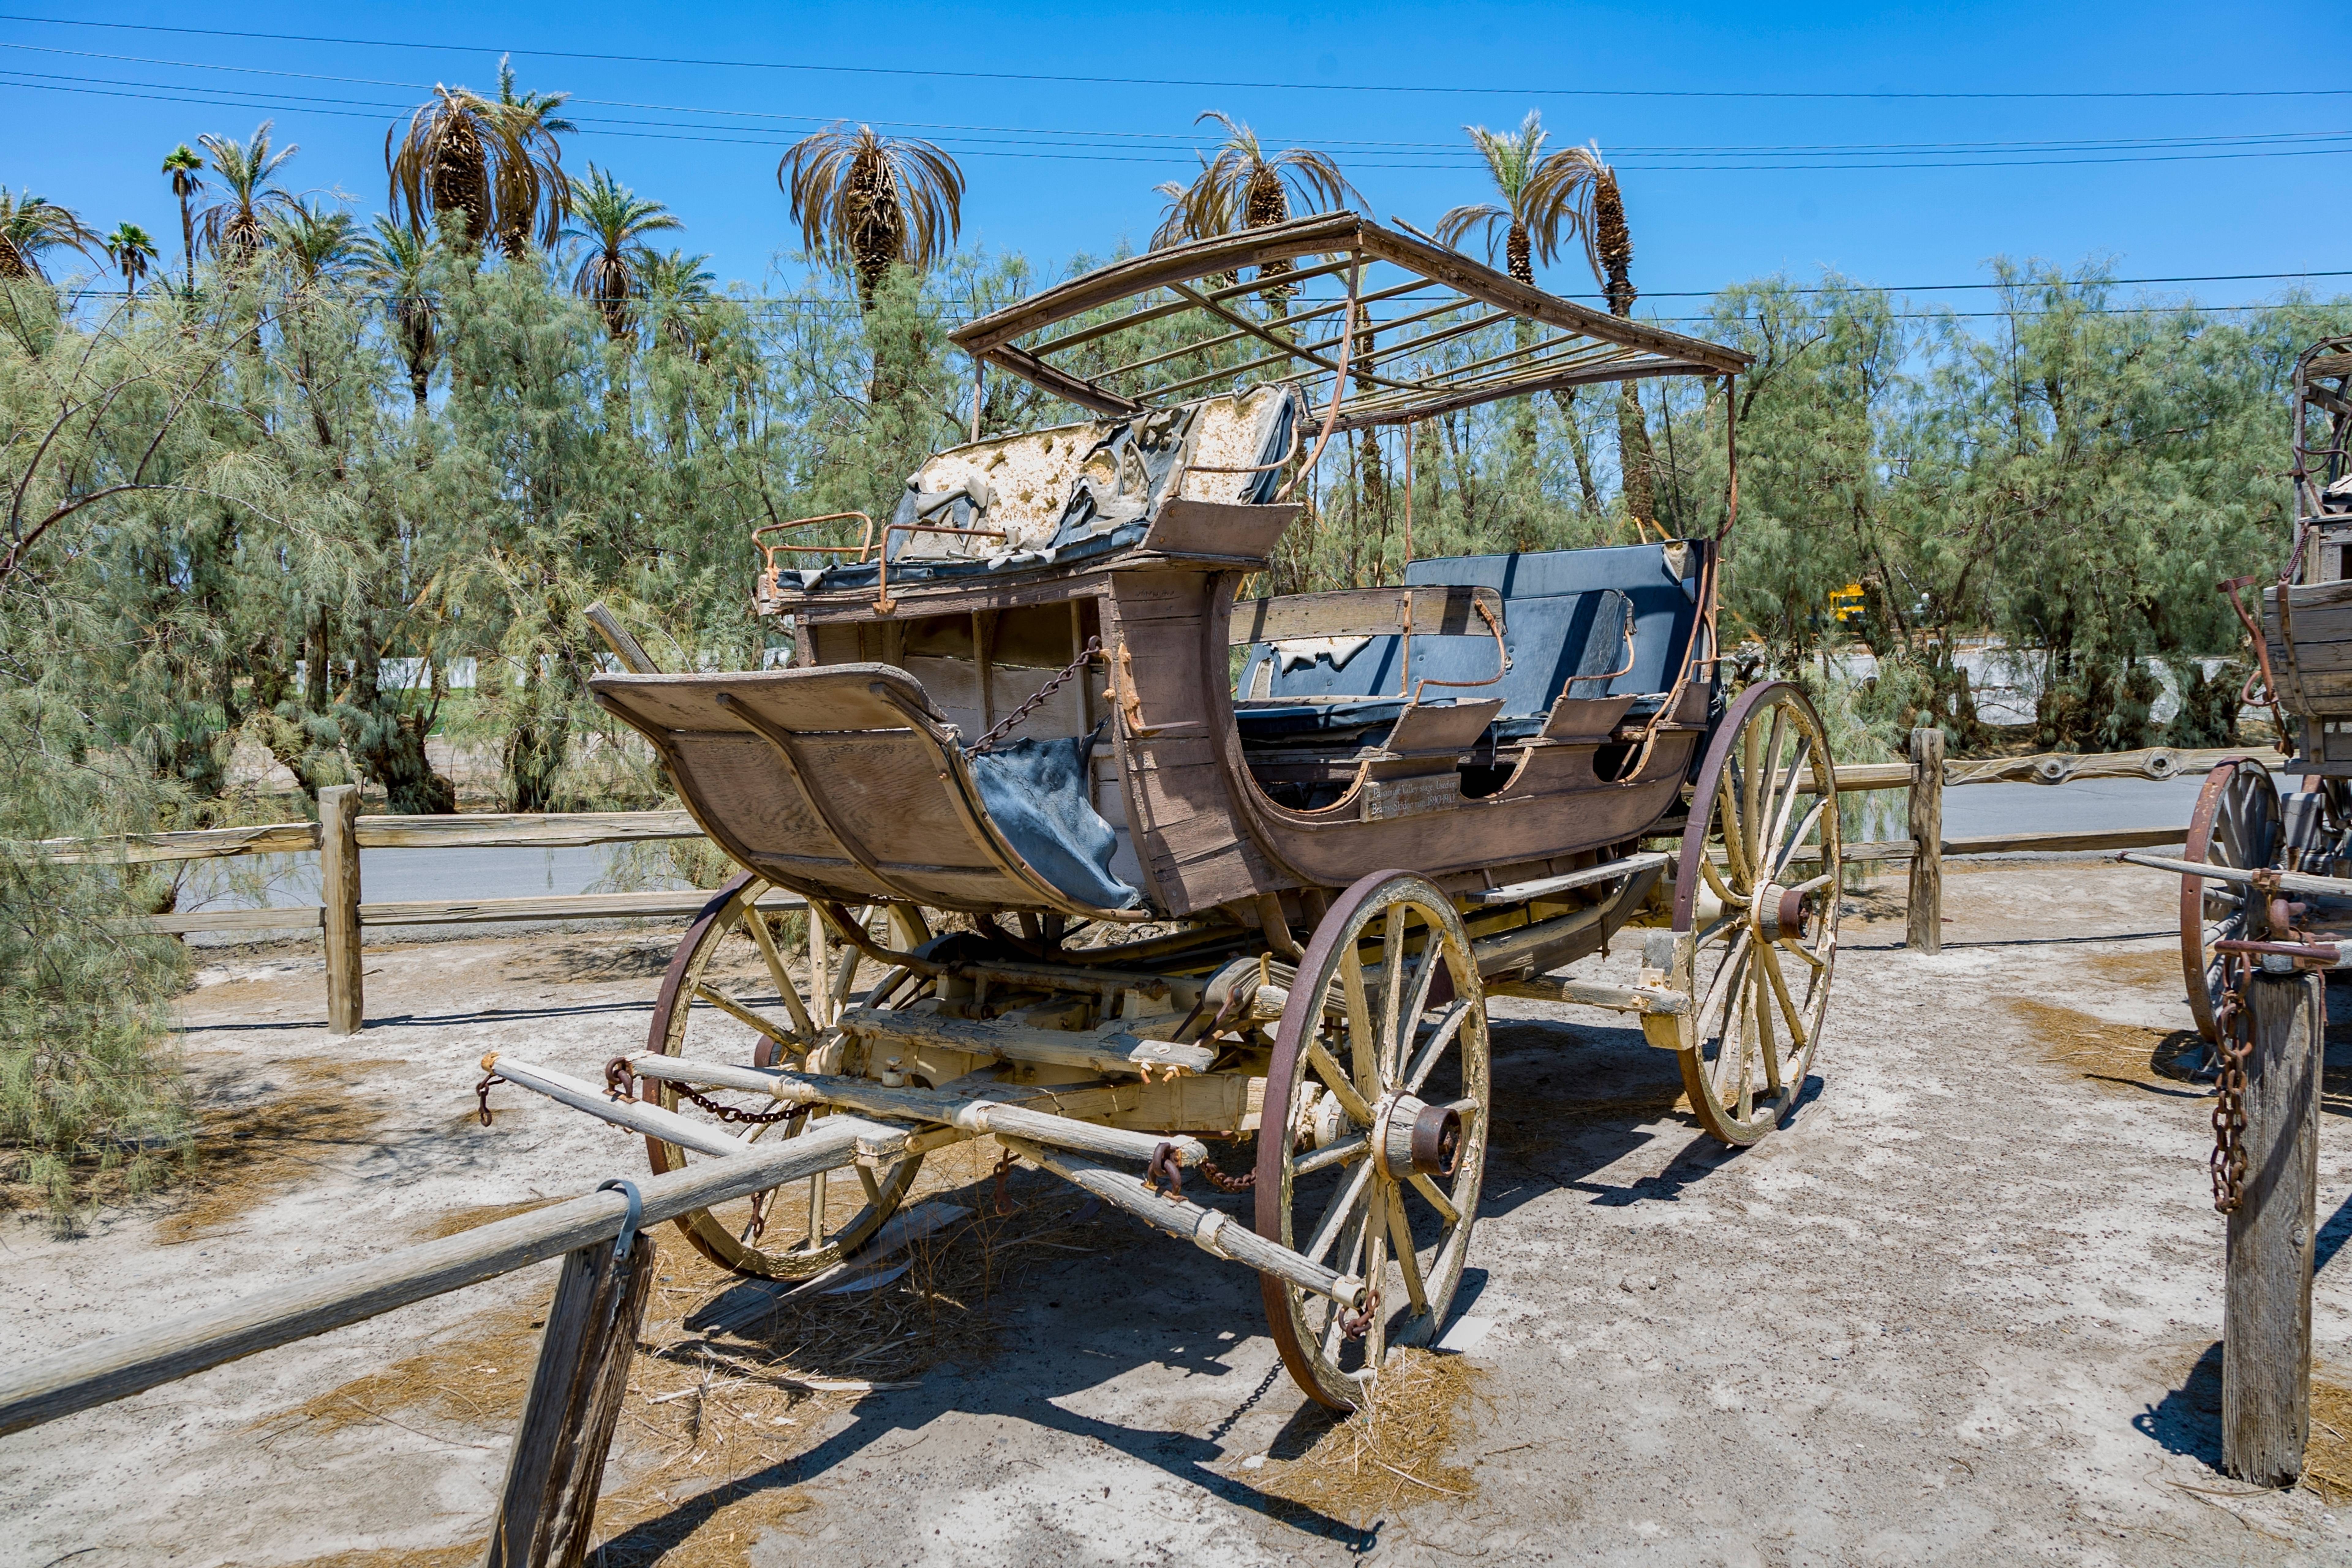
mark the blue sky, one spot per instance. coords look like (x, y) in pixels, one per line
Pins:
(1722, 182)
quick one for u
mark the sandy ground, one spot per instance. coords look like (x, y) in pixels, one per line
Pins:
(1962, 1308)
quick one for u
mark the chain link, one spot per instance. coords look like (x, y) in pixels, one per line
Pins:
(621, 1083)
(2233, 1021)
(1013, 720)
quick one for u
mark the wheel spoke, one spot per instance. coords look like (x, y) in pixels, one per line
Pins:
(1360, 1013)
(747, 1016)
(1769, 956)
(1338, 1154)
(1336, 1079)
(1735, 841)
(1408, 1261)
(1437, 1199)
(1385, 1024)
(1795, 843)
(1447, 1027)
(765, 941)
(1345, 1205)
(1783, 799)
(1727, 974)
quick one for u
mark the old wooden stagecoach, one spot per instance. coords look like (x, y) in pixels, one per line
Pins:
(2262, 868)
(1227, 870)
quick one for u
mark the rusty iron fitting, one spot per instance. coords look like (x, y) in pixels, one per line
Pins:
(2301, 955)
(482, 1095)
(1165, 1165)
(620, 1078)
(1437, 1139)
(1779, 912)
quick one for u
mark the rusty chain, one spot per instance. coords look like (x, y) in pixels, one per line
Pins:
(1013, 720)
(1356, 1326)
(2235, 1023)
(482, 1093)
(621, 1083)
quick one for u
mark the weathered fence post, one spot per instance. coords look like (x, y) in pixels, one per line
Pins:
(547, 1509)
(339, 891)
(1924, 931)
(2266, 1304)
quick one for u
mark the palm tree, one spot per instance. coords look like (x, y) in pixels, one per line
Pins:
(1242, 181)
(1580, 179)
(132, 251)
(235, 228)
(491, 169)
(1531, 229)
(186, 171)
(30, 226)
(531, 192)
(678, 291)
(613, 220)
(865, 201)
(316, 238)
(396, 259)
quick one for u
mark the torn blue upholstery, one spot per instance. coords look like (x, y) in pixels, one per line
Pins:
(1036, 793)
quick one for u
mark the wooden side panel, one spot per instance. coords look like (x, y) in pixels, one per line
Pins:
(1190, 837)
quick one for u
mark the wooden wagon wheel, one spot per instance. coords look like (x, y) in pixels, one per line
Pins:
(712, 1007)
(1757, 898)
(2236, 824)
(1373, 1139)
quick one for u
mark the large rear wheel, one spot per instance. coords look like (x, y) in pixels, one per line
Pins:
(1757, 899)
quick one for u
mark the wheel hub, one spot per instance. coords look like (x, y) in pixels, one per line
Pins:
(1779, 911)
(1411, 1136)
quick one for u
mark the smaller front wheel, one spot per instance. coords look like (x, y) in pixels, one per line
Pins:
(1373, 1141)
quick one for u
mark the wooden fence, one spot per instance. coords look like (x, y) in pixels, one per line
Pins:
(340, 834)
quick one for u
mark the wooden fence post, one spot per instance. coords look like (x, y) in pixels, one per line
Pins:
(1923, 932)
(547, 1509)
(339, 891)
(2266, 1305)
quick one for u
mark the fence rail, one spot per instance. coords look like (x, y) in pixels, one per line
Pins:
(341, 913)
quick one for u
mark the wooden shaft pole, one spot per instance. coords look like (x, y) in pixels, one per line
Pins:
(547, 1510)
(1924, 931)
(1211, 1229)
(339, 891)
(2266, 1304)
(102, 1370)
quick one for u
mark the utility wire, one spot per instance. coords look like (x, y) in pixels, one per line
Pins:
(1464, 153)
(982, 147)
(1411, 88)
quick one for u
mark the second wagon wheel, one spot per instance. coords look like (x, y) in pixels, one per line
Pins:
(730, 997)
(1757, 897)
(1373, 1139)
(2236, 824)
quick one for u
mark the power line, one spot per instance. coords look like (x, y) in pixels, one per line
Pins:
(1465, 154)
(977, 147)
(1410, 88)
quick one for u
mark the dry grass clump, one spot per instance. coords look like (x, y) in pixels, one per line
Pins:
(2327, 1457)
(2113, 1053)
(249, 1153)
(2157, 968)
(473, 1375)
(400, 1557)
(1391, 1453)
(457, 1222)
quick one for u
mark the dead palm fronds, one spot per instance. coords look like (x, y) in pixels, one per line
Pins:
(1243, 186)
(865, 201)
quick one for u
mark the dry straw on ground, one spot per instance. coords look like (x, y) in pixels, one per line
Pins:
(2327, 1457)
(1389, 1454)
(2114, 1054)
(306, 1117)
